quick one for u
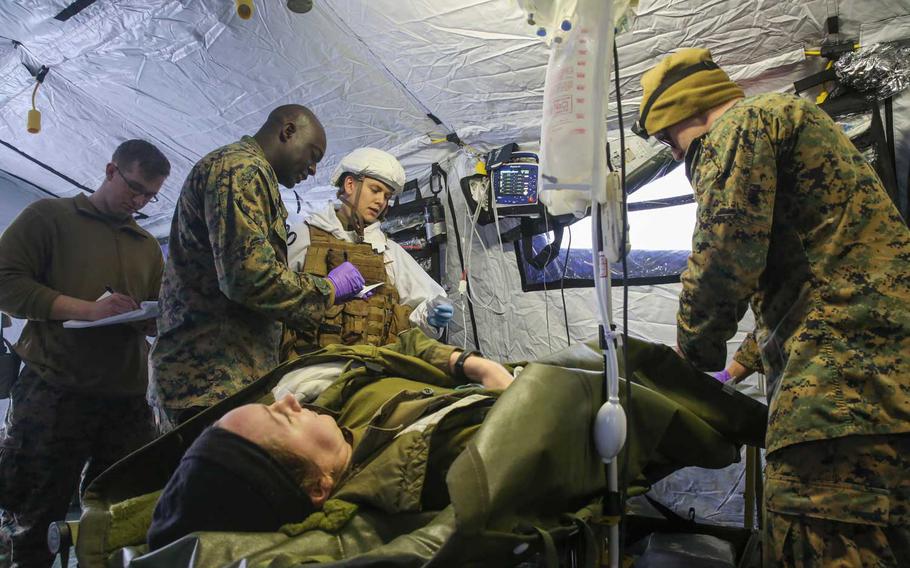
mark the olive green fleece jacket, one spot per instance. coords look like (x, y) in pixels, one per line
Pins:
(67, 246)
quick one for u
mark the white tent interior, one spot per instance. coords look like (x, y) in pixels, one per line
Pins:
(190, 75)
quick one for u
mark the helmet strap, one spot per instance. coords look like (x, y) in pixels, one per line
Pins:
(354, 219)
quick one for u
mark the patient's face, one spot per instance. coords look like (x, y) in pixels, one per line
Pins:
(314, 437)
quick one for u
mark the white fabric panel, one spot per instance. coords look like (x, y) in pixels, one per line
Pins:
(752, 41)
(190, 76)
(476, 65)
(16, 197)
(193, 78)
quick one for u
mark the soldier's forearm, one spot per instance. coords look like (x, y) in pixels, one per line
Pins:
(67, 308)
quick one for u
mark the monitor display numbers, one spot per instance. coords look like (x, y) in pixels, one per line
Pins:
(515, 184)
(518, 181)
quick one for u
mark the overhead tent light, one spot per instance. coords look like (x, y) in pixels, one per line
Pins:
(300, 6)
(34, 116)
(244, 9)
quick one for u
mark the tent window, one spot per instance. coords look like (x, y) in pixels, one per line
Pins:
(661, 220)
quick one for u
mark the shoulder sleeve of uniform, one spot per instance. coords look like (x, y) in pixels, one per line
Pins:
(25, 249)
(748, 355)
(241, 215)
(734, 178)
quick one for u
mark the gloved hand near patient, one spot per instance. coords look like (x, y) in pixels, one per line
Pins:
(722, 376)
(347, 281)
(440, 311)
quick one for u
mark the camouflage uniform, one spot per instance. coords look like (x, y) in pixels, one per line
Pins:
(792, 219)
(226, 285)
(859, 482)
(52, 435)
(749, 355)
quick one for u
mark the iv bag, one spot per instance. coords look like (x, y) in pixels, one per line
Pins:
(574, 129)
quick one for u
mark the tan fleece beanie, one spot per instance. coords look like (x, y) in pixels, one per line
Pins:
(705, 87)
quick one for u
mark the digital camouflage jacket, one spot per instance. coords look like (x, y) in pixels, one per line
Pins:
(793, 219)
(227, 286)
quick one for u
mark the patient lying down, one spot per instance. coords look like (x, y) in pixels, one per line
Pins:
(263, 466)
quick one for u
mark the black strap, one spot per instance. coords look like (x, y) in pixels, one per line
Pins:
(467, 276)
(668, 81)
(458, 368)
(548, 253)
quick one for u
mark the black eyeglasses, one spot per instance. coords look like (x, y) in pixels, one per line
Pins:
(137, 188)
(642, 133)
(663, 138)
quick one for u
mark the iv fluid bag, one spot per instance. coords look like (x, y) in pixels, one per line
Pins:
(574, 130)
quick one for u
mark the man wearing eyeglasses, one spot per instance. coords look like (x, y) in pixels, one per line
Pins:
(79, 402)
(793, 220)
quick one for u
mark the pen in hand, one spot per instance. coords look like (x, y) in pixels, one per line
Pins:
(118, 302)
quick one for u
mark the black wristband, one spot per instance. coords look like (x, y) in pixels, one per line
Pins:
(458, 368)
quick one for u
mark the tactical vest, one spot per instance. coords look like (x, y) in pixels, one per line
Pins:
(376, 321)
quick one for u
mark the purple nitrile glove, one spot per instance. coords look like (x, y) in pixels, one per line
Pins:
(347, 281)
(722, 376)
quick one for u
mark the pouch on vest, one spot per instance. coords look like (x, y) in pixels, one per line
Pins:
(9, 363)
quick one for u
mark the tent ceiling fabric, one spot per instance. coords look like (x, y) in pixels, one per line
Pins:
(189, 75)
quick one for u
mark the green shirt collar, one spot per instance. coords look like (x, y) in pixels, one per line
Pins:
(85, 207)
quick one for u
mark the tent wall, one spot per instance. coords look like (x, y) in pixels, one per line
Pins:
(532, 323)
(16, 197)
(190, 76)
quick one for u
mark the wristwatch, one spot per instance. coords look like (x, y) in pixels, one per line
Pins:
(459, 364)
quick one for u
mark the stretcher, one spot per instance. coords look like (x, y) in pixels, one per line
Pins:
(527, 489)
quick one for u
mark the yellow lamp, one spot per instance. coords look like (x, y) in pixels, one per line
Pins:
(34, 116)
(34, 121)
(245, 9)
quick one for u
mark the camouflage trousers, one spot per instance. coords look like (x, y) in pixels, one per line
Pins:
(52, 438)
(842, 502)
